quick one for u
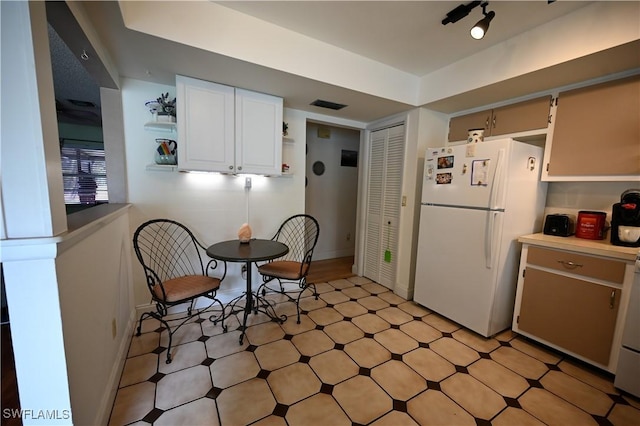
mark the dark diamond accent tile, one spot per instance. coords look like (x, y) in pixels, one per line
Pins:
(423, 345)
(553, 367)
(329, 305)
(207, 362)
(263, 374)
(304, 359)
(602, 421)
(251, 348)
(280, 410)
(512, 402)
(326, 389)
(159, 329)
(371, 311)
(400, 405)
(395, 326)
(369, 335)
(199, 321)
(446, 334)
(396, 357)
(417, 318)
(338, 346)
(462, 369)
(484, 355)
(158, 350)
(203, 338)
(618, 399)
(433, 385)
(156, 377)
(535, 384)
(213, 393)
(153, 415)
(303, 312)
(288, 336)
(503, 343)
(347, 319)
(357, 424)
(319, 327)
(364, 371)
(353, 300)
(393, 305)
(482, 422)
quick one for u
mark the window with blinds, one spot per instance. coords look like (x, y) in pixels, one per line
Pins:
(84, 174)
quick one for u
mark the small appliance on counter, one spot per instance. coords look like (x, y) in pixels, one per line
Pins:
(625, 220)
(561, 225)
(591, 225)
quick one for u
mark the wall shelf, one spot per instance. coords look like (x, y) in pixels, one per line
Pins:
(160, 126)
(153, 167)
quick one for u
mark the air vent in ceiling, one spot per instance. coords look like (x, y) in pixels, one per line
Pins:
(83, 104)
(326, 104)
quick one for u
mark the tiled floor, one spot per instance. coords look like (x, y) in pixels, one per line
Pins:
(361, 355)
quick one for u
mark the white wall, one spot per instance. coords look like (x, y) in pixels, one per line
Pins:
(332, 197)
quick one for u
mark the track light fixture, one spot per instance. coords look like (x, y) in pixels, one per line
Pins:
(480, 29)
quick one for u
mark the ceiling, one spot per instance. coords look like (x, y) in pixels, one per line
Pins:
(407, 36)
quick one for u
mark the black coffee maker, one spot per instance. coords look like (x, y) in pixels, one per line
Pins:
(625, 220)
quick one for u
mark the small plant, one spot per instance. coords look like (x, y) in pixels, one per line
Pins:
(167, 106)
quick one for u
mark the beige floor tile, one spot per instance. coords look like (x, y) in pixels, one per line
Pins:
(148, 325)
(513, 416)
(479, 400)
(362, 399)
(594, 378)
(211, 329)
(334, 297)
(351, 309)
(319, 410)
(325, 316)
(290, 326)
(454, 351)
(429, 364)
(370, 323)
(324, 287)
(435, 408)
(139, 369)
(255, 319)
(271, 421)
(475, 341)
(341, 284)
(413, 309)
(578, 393)
(519, 362)
(183, 386)
(394, 316)
(312, 342)
(395, 418)
(233, 369)
(367, 352)
(359, 280)
(310, 304)
(343, 332)
(225, 344)
(498, 378)
(200, 412)
(440, 323)
(537, 352)
(264, 333)
(505, 336)
(185, 334)
(391, 298)
(398, 380)
(144, 343)
(356, 292)
(421, 331)
(334, 366)
(293, 383)
(624, 415)
(373, 303)
(288, 309)
(276, 355)
(183, 356)
(374, 288)
(553, 410)
(245, 403)
(395, 341)
(133, 403)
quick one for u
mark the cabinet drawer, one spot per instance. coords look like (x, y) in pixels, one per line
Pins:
(587, 266)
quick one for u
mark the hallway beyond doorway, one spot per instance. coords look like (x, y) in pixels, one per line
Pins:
(330, 269)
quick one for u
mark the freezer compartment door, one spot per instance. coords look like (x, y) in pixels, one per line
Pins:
(456, 267)
(470, 175)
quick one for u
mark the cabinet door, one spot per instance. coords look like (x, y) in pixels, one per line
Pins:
(205, 118)
(258, 133)
(597, 130)
(521, 117)
(459, 126)
(574, 314)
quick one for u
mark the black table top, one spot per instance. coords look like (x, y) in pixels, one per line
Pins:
(254, 250)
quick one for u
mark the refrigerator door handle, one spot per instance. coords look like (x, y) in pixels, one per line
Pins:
(497, 181)
(488, 239)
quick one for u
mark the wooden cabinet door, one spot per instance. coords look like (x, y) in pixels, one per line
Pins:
(205, 119)
(597, 131)
(576, 315)
(258, 133)
(521, 117)
(459, 126)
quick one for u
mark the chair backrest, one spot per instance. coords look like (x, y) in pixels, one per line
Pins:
(167, 249)
(300, 234)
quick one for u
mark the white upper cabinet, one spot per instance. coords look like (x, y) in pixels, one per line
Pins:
(227, 130)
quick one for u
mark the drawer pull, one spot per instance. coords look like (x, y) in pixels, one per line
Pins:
(570, 264)
(612, 299)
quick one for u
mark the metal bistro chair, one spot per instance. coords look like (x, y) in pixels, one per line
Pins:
(172, 262)
(300, 234)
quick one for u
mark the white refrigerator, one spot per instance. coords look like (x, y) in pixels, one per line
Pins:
(477, 199)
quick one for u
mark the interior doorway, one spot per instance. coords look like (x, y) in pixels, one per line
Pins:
(332, 157)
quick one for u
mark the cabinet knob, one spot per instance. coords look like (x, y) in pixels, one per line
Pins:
(239, 167)
(570, 264)
(230, 167)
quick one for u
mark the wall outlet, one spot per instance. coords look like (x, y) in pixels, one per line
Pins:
(114, 328)
(349, 236)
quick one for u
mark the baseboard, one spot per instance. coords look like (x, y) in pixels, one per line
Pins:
(104, 411)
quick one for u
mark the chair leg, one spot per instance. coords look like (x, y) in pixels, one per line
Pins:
(144, 316)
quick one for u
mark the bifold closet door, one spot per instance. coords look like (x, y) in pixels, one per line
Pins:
(384, 194)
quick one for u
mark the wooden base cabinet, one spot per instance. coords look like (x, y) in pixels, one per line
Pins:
(571, 302)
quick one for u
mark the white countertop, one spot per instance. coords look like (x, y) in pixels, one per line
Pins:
(595, 247)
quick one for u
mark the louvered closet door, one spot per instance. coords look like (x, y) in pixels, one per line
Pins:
(386, 159)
